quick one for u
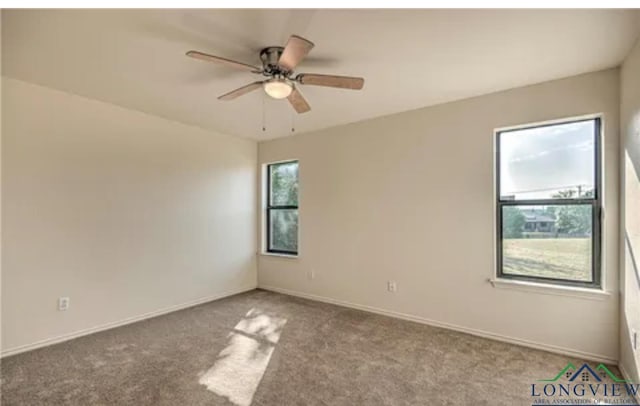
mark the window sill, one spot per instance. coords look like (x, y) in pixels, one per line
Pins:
(549, 289)
(275, 254)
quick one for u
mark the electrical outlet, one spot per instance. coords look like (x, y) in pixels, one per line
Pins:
(391, 286)
(63, 303)
(311, 274)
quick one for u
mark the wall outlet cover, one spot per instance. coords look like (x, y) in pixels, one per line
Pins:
(391, 286)
(63, 303)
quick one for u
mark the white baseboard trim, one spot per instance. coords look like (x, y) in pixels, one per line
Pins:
(129, 320)
(480, 333)
(627, 376)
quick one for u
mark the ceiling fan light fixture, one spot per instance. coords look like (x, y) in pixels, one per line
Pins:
(278, 88)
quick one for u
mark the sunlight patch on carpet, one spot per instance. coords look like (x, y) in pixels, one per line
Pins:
(240, 366)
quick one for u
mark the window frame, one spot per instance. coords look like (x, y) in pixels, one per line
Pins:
(270, 207)
(595, 202)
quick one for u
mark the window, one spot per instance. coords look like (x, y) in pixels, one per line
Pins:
(549, 203)
(282, 208)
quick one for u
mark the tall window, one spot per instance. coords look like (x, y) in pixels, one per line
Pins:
(282, 208)
(549, 203)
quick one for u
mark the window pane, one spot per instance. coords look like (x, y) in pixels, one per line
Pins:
(548, 241)
(284, 184)
(284, 230)
(556, 161)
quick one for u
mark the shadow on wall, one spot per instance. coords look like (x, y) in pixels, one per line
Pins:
(240, 366)
(632, 208)
(632, 213)
(632, 249)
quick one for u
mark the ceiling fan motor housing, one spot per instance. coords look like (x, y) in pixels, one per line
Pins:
(270, 57)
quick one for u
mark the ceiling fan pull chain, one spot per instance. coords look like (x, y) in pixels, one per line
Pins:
(264, 119)
(293, 125)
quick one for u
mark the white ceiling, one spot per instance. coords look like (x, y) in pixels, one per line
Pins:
(410, 58)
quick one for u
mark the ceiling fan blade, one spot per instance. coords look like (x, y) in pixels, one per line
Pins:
(298, 101)
(241, 91)
(294, 52)
(218, 59)
(343, 82)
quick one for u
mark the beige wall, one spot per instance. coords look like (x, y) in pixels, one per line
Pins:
(409, 197)
(630, 278)
(123, 212)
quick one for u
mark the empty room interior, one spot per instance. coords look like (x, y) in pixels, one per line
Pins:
(267, 207)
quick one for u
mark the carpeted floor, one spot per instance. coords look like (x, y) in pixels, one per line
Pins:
(261, 348)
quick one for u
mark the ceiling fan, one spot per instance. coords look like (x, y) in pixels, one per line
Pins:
(278, 66)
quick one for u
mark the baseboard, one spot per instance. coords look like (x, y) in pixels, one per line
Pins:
(371, 309)
(480, 333)
(129, 320)
(627, 376)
